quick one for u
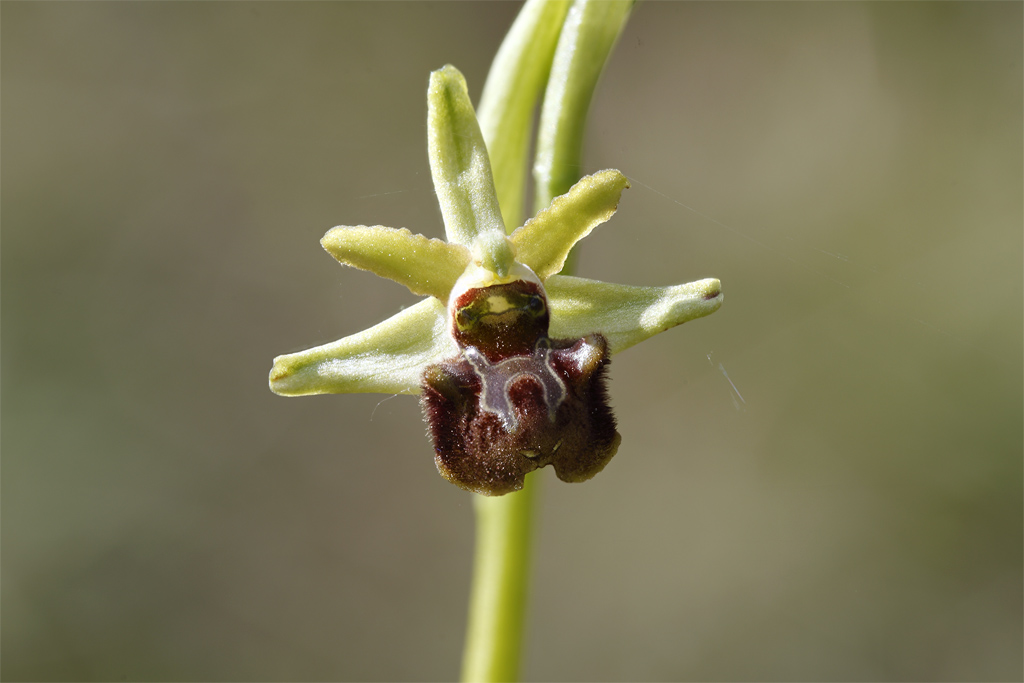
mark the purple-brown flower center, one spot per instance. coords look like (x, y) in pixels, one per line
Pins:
(501, 321)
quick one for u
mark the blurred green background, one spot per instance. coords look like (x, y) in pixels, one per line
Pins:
(852, 511)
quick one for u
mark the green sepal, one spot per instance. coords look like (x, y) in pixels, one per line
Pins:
(425, 266)
(388, 358)
(459, 164)
(624, 314)
(545, 241)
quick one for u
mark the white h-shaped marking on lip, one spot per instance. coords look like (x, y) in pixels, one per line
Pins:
(495, 379)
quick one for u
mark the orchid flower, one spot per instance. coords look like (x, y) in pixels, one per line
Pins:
(508, 356)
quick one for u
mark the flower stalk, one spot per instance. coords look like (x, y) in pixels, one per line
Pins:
(500, 589)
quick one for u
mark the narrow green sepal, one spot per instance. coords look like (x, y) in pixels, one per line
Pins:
(545, 241)
(388, 358)
(624, 314)
(425, 266)
(459, 163)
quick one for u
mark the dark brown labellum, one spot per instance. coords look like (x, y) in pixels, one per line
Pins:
(515, 400)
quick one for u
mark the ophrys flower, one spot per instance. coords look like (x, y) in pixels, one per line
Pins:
(509, 356)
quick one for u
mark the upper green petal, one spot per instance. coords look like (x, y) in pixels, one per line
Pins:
(459, 163)
(388, 358)
(544, 242)
(625, 315)
(425, 266)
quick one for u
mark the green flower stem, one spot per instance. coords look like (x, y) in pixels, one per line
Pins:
(590, 31)
(517, 76)
(501, 567)
(501, 577)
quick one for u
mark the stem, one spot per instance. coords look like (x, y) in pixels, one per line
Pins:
(588, 35)
(517, 77)
(500, 582)
(591, 30)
